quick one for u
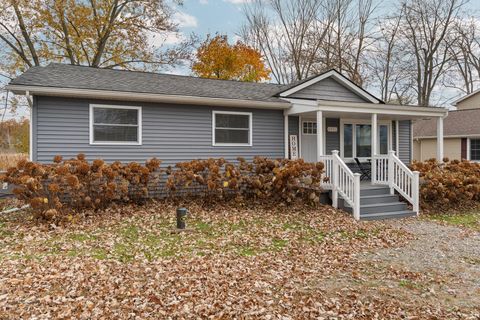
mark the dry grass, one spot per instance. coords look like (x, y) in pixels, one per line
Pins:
(10, 159)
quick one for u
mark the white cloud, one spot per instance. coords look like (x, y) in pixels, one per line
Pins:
(168, 38)
(203, 1)
(184, 20)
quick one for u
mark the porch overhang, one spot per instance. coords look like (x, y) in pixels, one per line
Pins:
(300, 106)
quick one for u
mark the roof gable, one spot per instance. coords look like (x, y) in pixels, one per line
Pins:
(347, 88)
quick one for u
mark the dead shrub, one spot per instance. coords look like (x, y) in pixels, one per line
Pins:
(68, 186)
(448, 184)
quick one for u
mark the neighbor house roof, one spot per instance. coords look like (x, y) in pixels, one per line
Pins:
(459, 123)
(465, 97)
(81, 77)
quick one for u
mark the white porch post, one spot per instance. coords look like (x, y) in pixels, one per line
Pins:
(440, 139)
(319, 135)
(285, 128)
(374, 147)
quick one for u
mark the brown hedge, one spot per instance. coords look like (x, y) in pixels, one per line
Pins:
(448, 184)
(65, 187)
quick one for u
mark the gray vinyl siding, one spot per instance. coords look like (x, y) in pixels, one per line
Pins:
(405, 141)
(172, 133)
(332, 138)
(328, 89)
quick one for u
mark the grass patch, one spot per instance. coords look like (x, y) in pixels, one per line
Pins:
(469, 219)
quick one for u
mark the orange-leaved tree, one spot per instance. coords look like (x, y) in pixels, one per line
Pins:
(217, 59)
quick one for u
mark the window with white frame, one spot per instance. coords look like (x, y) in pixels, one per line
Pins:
(115, 124)
(232, 128)
(475, 149)
(309, 127)
(357, 140)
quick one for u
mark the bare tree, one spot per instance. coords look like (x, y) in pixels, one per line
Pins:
(465, 55)
(385, 60)
(305, 37)
(425, 28)
(288, 33)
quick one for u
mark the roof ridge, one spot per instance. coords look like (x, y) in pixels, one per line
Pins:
(165, 74)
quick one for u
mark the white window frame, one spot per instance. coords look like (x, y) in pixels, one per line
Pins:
(123, 143)
(250, 129)
(469, 148)
(354, 142)
(313, 122)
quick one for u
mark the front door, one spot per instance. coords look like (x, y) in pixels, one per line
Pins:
(308, 146)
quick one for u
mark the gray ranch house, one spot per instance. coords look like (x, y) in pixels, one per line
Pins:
(134, 116)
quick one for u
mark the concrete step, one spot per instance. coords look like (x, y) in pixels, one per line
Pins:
(379, 198)
(374, 190)
(382, 207)
(388, 215)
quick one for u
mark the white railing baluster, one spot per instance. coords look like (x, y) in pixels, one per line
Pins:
(403, 180)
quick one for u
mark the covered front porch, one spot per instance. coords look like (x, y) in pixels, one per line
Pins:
(347, 135)
(356, 130)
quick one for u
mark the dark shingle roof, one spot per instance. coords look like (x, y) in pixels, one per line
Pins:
(457, 123)
(80, 77)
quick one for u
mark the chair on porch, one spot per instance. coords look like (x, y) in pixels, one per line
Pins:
(365, 170)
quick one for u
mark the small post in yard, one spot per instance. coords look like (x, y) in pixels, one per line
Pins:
(181, 215)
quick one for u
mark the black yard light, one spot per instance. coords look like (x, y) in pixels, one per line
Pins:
(181, 216)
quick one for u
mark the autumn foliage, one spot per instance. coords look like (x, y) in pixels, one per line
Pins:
(66, 187)
(448, 184)
(217, 59)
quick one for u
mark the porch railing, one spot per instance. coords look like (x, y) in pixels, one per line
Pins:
(346, 184)
(391, 171)
(380, 169)
(327, 160)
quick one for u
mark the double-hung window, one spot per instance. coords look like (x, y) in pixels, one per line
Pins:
(475, 149)
(115, 125)
(232, 128)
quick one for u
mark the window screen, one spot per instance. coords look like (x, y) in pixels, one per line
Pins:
(115, 125)
(232, 128)
(475, 149)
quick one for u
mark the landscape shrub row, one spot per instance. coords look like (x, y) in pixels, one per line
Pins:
(448, 184)
(66, 187)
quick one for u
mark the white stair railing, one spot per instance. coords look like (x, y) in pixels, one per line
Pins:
(327, 184)
(346, 184)
(405, 181)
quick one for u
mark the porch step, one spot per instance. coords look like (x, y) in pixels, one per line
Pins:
(374, 190)
(388, 215)
(382, 207)
(377, 203)
(379, 198)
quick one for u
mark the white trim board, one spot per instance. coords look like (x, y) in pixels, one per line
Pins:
(115, 143)
(250, 129)
(338, 77)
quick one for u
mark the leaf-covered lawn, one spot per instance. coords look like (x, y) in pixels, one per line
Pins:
(251, 262)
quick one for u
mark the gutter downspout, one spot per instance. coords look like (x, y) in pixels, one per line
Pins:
(30, 129)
